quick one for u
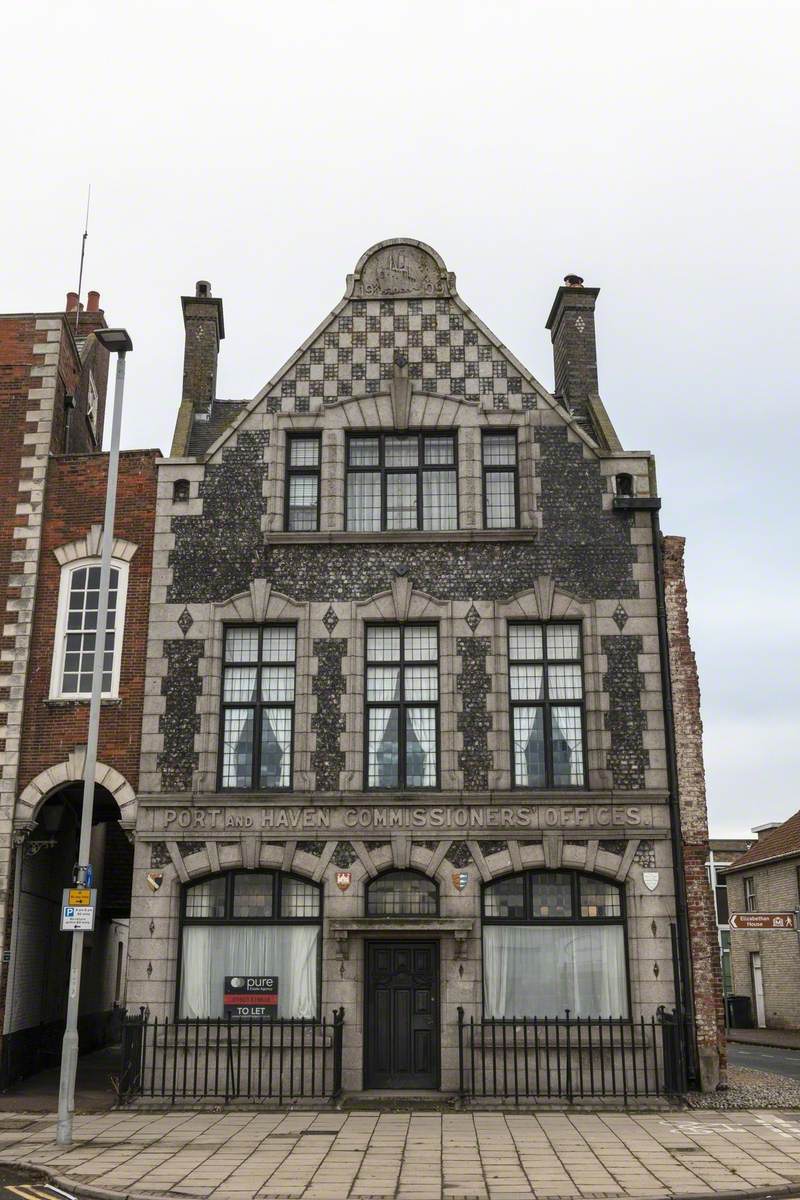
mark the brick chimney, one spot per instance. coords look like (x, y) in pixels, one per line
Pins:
(571, 325)
(205, 328)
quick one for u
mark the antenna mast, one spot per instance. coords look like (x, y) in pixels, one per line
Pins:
(83, 252)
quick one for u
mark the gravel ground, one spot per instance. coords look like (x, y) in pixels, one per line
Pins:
(751, 1089)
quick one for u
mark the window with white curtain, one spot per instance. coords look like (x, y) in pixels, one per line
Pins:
(545, 664)
(258, 677)
(402, 481)
(250, 923)
(552, 941)
(76, 629)
(402, 706)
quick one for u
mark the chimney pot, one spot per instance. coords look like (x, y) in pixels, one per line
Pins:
(93, 302)
(573, 280)
(72, 301)
(202, 289)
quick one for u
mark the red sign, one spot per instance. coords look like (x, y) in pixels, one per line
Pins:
(250, 995)
(756, 920)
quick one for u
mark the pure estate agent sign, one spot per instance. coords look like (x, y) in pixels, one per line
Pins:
(251, 996)
(755, 920)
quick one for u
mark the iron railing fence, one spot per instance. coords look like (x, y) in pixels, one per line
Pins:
(231, 1059)
(569, 1058)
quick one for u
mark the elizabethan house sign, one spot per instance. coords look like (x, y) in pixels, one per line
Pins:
(439, 818)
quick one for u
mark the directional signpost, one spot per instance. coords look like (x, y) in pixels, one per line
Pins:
(756, 920)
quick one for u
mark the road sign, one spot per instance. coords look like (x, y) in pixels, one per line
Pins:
(76, 897)
(756, 920)
(80, 919)
(251, 996)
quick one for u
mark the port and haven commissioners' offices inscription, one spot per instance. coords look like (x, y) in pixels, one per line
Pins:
(378, 818)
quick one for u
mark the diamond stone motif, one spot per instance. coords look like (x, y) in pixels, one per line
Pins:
(619, 616)
(330, 620)
(185, 622)
(473, 618)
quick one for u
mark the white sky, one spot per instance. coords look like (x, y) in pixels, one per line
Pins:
(650, 147)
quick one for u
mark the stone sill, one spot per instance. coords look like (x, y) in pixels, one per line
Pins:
(403, 536)
(59, 702)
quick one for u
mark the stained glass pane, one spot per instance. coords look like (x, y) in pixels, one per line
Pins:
(252, 894)
(506, 898)
(299, 899)
(206, 899)
(551, 894)
(598, 898)
(401, 894)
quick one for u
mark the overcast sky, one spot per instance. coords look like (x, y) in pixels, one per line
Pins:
(650, 147)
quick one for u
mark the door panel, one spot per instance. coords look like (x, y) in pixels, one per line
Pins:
(401, 1025)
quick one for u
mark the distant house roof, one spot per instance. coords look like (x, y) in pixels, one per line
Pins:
(730, 845)
(783, 842)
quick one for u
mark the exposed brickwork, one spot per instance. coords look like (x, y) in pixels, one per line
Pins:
(75, 501)
(705, 963)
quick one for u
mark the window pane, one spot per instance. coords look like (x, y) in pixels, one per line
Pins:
(564, 683)
(501, 505)
(237, 748)
(382, 747)
(551, 894)
(252, 894)
(304, 452)
(420, 747)
(422, 683)
(527, 683)
(241, 644)
(210, 952)
(303, 502)
(599, 899)
(525, 641)
(402, 452)
(540, 972)
(279, 643)
(364, 452)
(399, 893)
(440, 451)
(364, 501)
(439, 503)
(240, 685)
(567, 746)
(277, 684)
(563, 641)
(499, 449)
(723, 910)
(299, 899)
(383, 683)
(206, 899)
(276, 747)
(79, 644)
(421, 643)
(383, 643)
(401, 501)
(529, 747)
(506, 898)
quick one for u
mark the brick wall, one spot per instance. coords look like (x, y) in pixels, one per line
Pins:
(75, 501)
(705, 963)
(777, 890)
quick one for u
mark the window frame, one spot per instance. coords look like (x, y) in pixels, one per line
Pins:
(402, 871)
(401, 705)
(385, 472)
(749, 886)
(546, 705)
(229, 875)
(60, 634)
(259, 706)
(295, 472)
(487, 435)
(575, 877)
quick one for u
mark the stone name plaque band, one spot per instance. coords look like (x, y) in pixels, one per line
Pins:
(434, 819)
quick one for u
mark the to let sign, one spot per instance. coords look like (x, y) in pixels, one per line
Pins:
(251, 996)
(756, 920)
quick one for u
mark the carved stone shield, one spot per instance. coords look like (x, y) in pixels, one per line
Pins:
(343, 880)
(154, 880)
(460, 880)
(650, 880)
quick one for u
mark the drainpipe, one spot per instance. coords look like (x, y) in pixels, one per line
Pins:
(684, 997)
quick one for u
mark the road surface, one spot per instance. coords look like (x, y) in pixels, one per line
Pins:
(765, 1058)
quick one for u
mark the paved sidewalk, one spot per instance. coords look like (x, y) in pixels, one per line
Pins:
(784, 1039)
(461, 1156)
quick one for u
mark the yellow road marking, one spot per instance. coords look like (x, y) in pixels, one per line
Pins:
(28, 1193)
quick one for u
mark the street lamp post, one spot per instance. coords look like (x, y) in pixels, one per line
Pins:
(116, 341)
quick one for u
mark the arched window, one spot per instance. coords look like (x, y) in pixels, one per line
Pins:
(76, 629)
(402, 894)
(250, 923)
(554, 940)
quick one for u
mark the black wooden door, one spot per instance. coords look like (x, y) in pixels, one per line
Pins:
(401, 1035)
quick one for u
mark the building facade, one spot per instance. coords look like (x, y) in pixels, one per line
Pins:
(409, 739)
(721, 853)
(766, 964)
(53, 376)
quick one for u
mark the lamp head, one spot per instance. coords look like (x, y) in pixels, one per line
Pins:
(116, 341)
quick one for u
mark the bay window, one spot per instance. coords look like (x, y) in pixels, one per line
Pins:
(250, 923)
(552, 941)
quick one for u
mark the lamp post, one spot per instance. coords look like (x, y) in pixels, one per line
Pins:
(116, 341)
